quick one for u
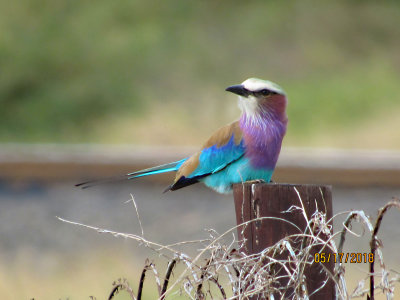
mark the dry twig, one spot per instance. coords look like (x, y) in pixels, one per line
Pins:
(257, 274)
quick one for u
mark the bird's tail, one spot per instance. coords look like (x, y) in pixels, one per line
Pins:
(170, 167)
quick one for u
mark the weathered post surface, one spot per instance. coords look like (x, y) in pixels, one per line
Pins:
(275, 200)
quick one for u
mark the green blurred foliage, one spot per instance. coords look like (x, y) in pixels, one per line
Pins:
(68, 68)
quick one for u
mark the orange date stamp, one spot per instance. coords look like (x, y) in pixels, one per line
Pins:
(352, 257)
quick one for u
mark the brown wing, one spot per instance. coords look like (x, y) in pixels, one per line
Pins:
(219, 139)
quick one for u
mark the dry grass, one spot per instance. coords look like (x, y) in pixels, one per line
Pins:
(222, 270)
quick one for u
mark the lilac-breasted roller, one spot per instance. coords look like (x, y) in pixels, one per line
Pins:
(244, 150)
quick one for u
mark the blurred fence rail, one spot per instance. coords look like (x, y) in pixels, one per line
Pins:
(52, 162)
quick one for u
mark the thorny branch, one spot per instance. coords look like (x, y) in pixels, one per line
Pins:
(375, 244)
(257, 274)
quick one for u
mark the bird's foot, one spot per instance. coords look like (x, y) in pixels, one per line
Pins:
(255, 181)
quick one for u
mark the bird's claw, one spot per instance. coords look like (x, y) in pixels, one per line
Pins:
(255, 181)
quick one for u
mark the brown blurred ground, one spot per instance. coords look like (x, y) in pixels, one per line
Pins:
(44, 258)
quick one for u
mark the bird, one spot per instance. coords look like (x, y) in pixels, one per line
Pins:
(242, 151)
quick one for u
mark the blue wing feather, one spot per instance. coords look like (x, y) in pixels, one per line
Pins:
(214, 158)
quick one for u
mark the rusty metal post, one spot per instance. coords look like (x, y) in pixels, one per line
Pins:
(271, 200)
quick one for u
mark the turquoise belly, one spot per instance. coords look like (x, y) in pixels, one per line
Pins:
(237, 172)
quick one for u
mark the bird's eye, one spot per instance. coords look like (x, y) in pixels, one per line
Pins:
(265, 92)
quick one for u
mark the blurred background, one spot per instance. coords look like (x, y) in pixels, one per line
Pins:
(90, 90)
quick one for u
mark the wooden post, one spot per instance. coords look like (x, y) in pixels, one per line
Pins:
(254, 200)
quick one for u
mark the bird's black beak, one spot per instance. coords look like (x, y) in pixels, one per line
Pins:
(238, 89)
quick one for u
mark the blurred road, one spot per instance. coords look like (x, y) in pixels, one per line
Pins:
(28, 214)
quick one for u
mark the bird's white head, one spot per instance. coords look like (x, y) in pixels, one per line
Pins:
(257, 95)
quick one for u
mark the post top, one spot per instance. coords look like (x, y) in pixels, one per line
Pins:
(278, 184)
